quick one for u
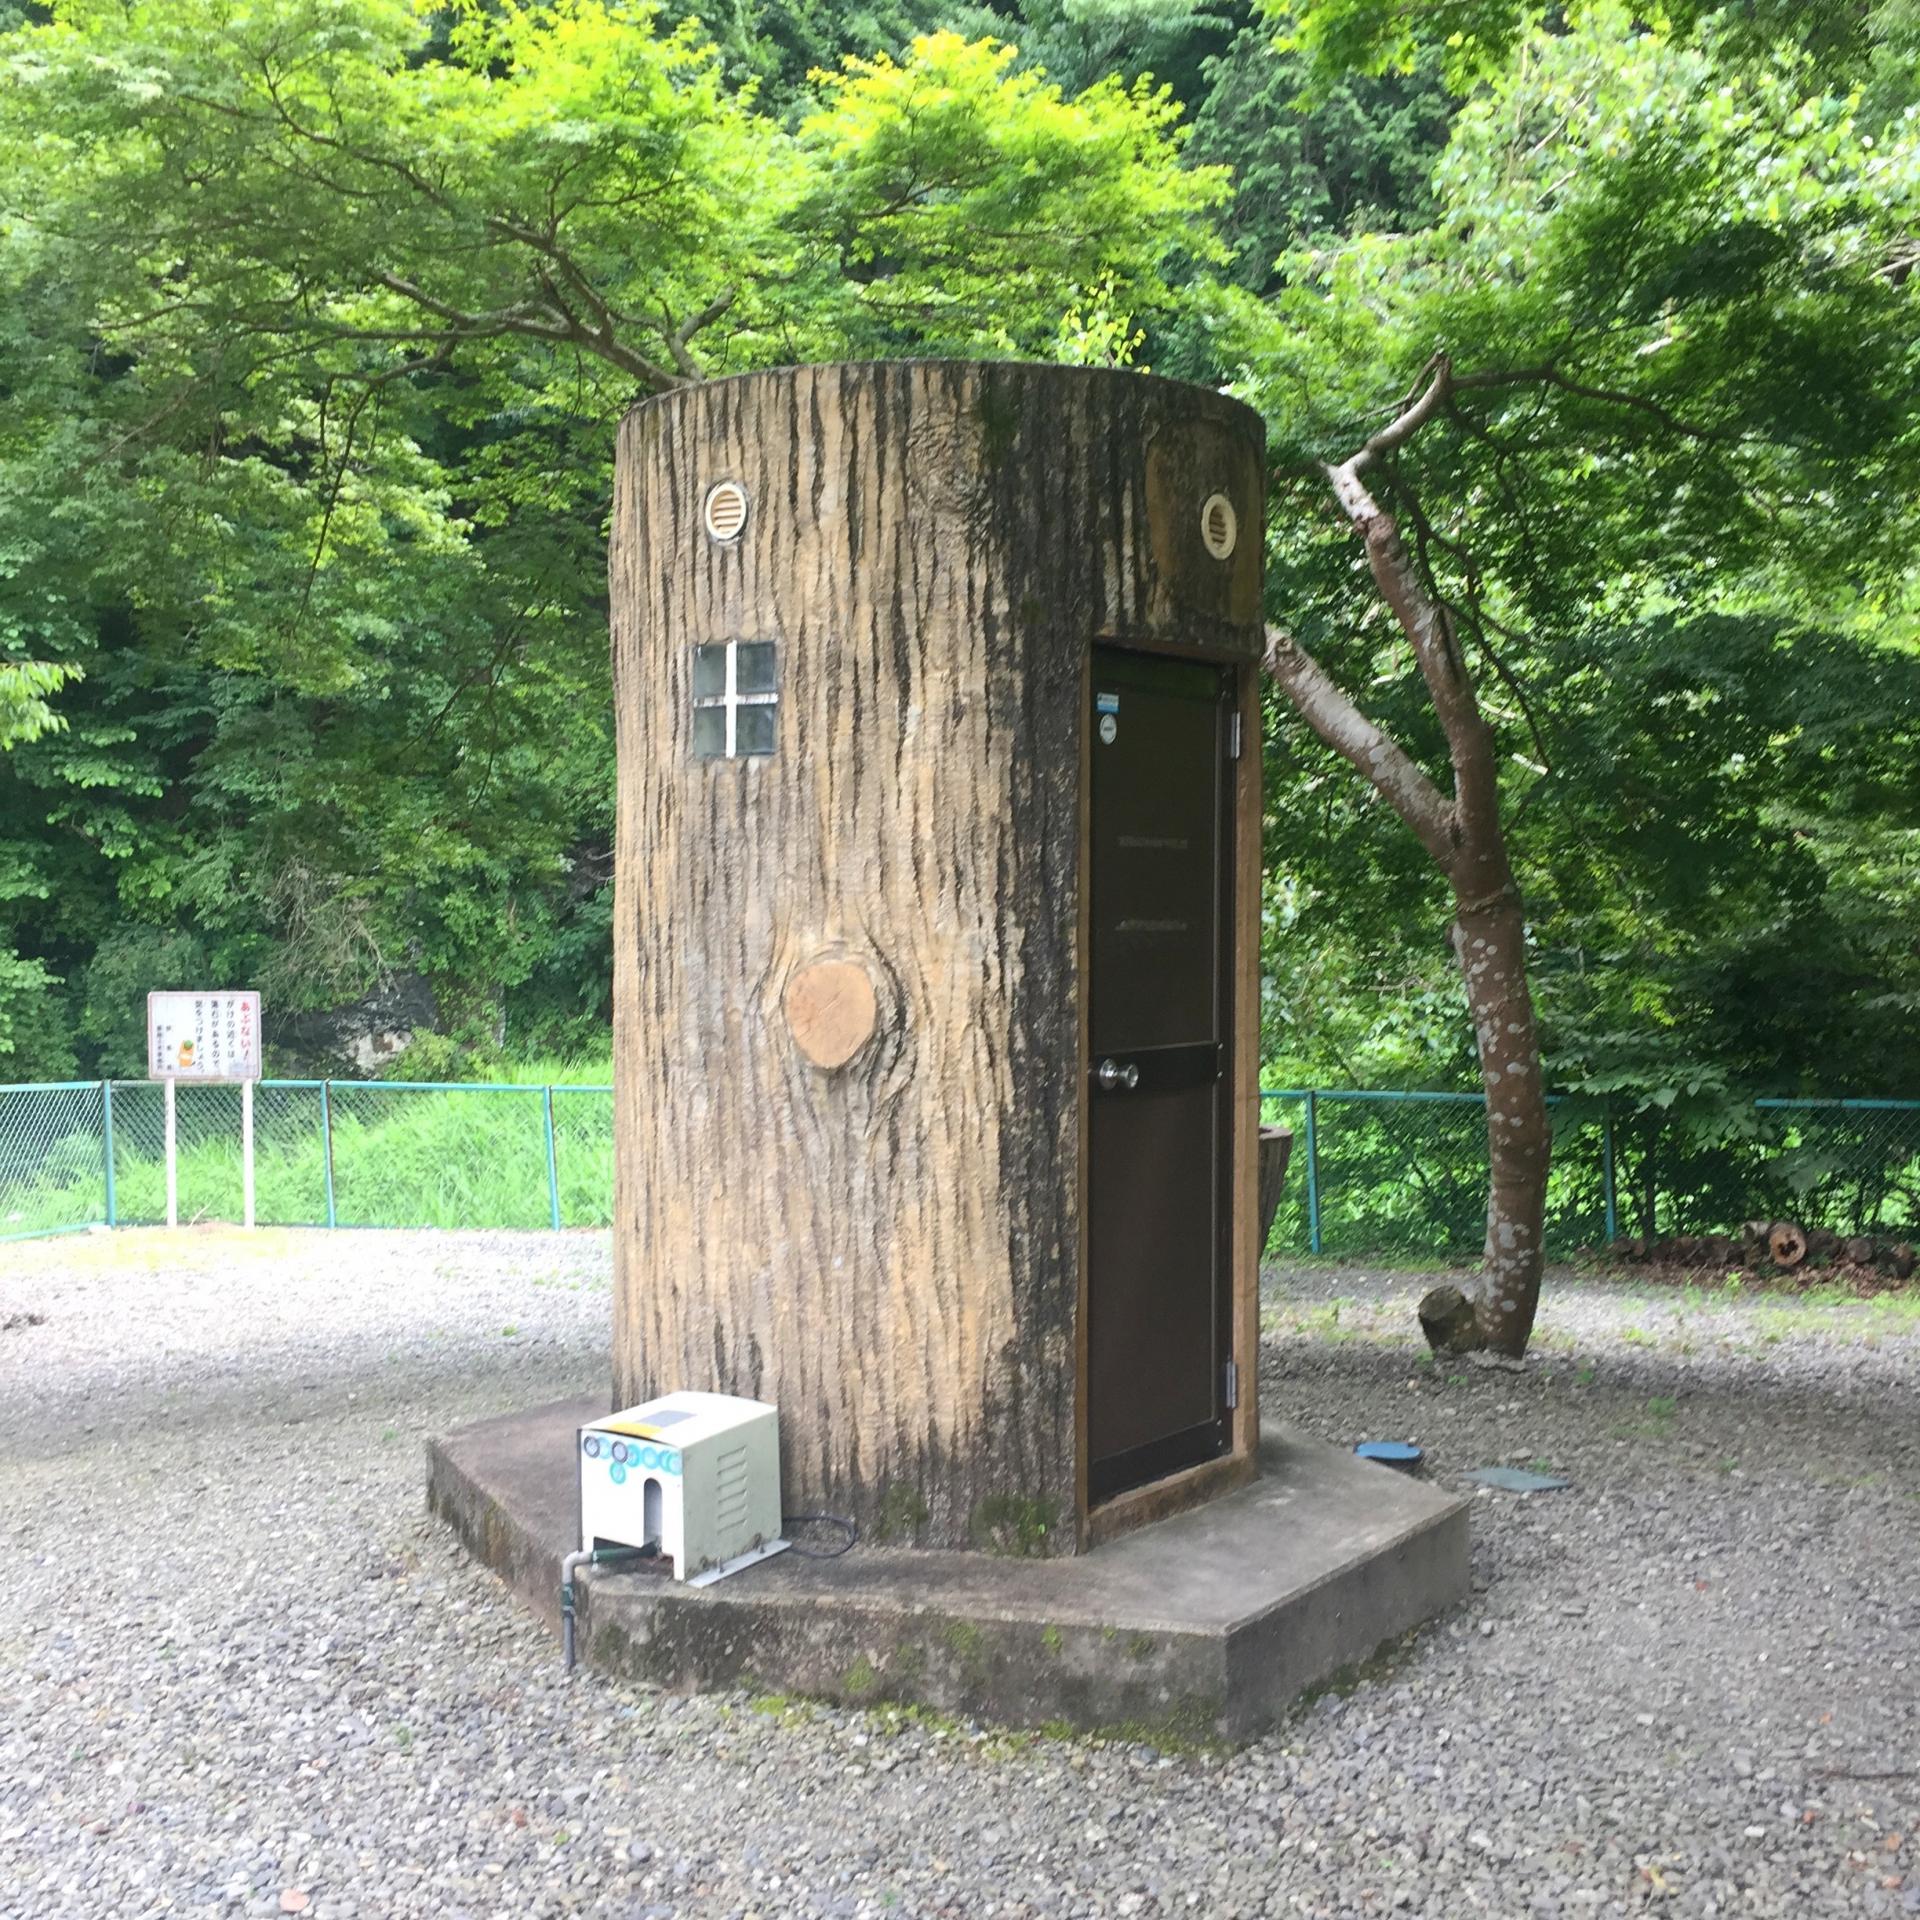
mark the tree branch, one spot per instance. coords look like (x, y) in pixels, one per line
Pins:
(1386, 766)
(527, 318)
(1415, 411)
(678, 337)
(1422, 618)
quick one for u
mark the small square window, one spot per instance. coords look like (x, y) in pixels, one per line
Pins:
(753, 730)
(735, 699)
(709, 671)
(753, 667)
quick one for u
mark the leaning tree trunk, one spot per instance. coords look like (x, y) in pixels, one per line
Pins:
(1462, 832)
(1490, 942)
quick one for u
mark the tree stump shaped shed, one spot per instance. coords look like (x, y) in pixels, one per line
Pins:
(938, 865)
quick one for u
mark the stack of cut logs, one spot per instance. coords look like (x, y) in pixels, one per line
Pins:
(1778, 1243)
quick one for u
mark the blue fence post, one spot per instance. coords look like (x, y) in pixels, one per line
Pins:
(106, 1149)
(1607, 1187)
(1313, 1170)
(553, 1164)
(326, 1144)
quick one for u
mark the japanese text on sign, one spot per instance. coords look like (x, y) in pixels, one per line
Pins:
(203, 1036)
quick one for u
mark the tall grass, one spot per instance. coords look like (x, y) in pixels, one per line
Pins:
(403, 1156)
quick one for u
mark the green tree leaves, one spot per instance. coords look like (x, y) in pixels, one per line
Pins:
(965, 197)
(319, 318)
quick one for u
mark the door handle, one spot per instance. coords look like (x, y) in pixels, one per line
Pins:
(1116, 1078)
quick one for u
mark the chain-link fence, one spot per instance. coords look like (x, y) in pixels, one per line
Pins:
(53, 1158)
(327, 1153)
(1406, 1173)
(1373, 1173)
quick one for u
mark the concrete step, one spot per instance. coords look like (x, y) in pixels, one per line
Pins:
(1204, 1626)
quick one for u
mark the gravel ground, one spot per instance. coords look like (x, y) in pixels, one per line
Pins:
(240, 1671)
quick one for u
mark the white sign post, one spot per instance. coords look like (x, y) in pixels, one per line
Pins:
(210, 1037)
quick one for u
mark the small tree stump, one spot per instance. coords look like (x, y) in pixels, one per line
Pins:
(1448, 1320)
(1276, 1147)
(1900, 1261)
(1860, 1250)
(1786, 1244)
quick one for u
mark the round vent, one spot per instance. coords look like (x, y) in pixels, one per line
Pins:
(1219, 525)
(726, 512)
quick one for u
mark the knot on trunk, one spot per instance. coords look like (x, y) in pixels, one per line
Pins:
(1504, 895)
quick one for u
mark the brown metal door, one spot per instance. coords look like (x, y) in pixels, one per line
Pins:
(1159, 1160)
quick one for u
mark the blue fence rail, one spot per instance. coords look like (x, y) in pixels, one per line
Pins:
(1374, 1172)
(1406, 1173)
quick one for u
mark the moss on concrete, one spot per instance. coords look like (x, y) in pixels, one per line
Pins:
(1381, 1664)
(862, 1680)
(902, 1514)
(1007, 1523)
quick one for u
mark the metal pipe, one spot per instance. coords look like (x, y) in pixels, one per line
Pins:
(461, 1086)
(589, 1557)
(326, 1145)
(582, 1557)
(1313, 1170)
(106, 1149)
(173, 1158)
(553, 1164)
(47, 1233)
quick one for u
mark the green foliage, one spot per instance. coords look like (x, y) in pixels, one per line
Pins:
(319, 318)
(1360, 159)
(1339, 37)
(968, 195)
(24, 689)
(1671, 501)
(777, 46)
(1080, 42)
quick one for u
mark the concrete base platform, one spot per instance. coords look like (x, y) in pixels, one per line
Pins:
(1206, 1625)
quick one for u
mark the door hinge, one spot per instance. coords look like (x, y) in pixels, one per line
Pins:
(1233, 736)
(1230, 1385)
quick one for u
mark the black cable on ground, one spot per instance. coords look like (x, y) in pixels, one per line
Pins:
(851, 1528)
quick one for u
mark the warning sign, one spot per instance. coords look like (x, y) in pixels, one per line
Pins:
(203, 1036)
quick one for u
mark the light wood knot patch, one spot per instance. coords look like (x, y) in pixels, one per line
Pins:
(831, 1011)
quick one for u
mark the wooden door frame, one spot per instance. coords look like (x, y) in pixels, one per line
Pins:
(1239, 1464)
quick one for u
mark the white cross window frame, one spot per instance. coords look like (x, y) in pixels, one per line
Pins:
(729, 700)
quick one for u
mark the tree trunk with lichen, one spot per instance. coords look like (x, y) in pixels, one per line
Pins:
(1489, 941)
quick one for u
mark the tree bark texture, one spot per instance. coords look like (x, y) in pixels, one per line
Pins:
(872, 1218)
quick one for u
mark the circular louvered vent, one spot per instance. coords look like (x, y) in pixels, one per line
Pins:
(1219, 525)
(726, 512)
